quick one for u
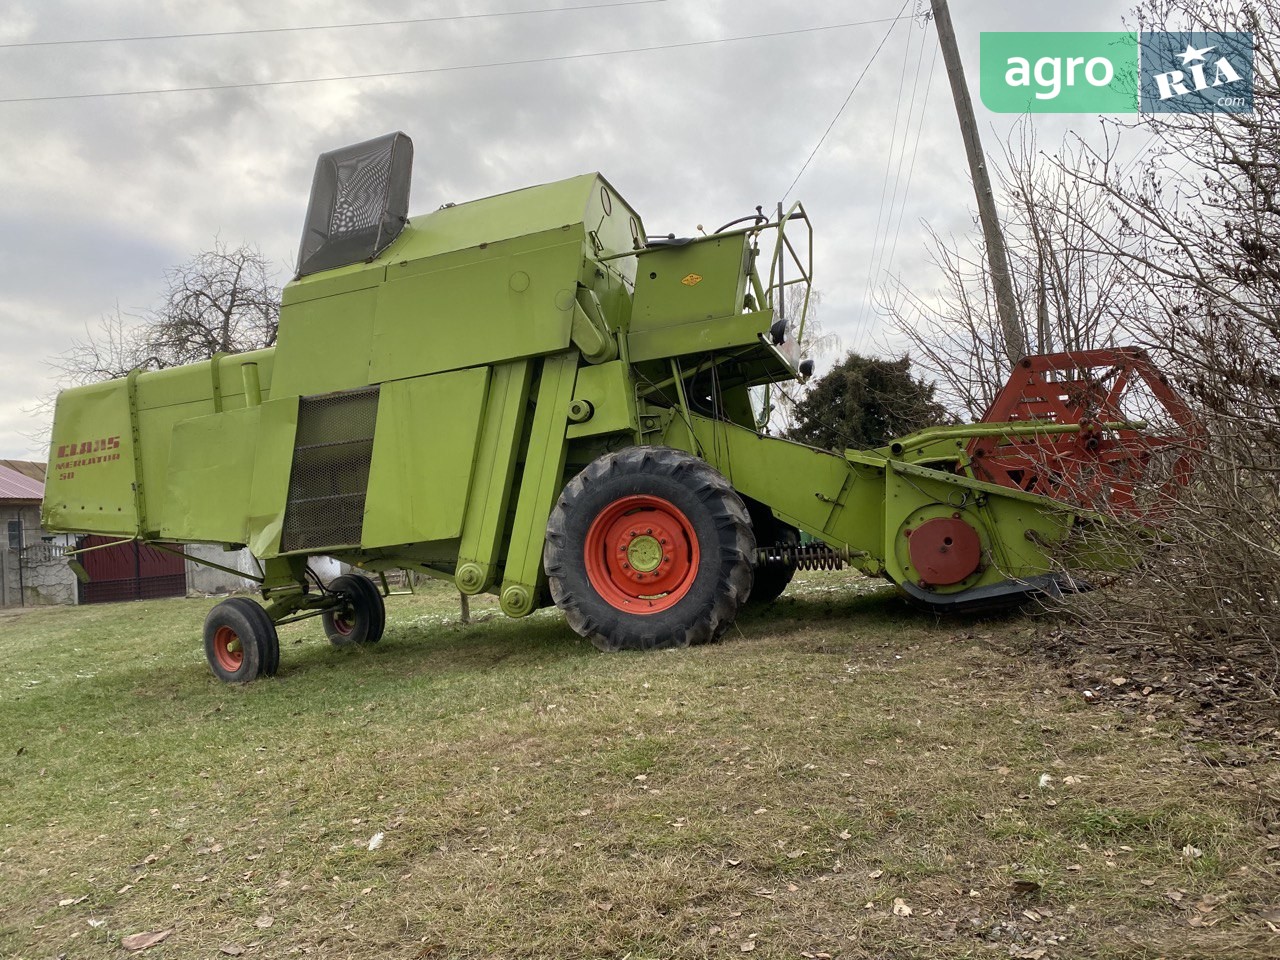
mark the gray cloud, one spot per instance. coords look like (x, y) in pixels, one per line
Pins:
(100, 196)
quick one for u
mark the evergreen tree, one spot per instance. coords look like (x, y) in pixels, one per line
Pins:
(865, 402)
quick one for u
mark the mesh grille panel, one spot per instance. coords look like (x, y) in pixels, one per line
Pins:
(362, 190)
(359, 202)
(330, 475)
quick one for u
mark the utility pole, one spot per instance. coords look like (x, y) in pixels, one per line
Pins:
(997, 258)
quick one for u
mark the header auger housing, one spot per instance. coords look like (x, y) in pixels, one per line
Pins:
(527, 395)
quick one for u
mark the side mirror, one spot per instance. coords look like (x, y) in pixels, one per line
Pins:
(778, 331)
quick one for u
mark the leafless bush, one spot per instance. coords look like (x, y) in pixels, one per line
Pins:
(1178, 252)
(1206, 588)
(1199, 240)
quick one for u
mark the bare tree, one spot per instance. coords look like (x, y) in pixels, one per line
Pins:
(106, 352)
(1070, 297)
(1179, 253)
(1197, 232)
(222, 300)
(1200, 230)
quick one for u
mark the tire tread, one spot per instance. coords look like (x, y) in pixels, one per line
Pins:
(632, 471)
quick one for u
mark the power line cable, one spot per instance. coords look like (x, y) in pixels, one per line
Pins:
(821, 140)
(887, 268)
(465, 66)
(324, 26)
(914, 151)
(876, 242)
(902, 157)
(890, 247)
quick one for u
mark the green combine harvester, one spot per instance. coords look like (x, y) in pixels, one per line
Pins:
(530, 396)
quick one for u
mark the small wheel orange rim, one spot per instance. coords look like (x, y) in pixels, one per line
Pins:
(344, 621)
(641, 554)
(227, 649)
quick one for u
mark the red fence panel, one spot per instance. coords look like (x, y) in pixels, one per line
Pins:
(130, 571)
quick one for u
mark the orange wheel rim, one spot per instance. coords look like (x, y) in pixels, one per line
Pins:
(227, 649)
(344, 621)
(641, 554)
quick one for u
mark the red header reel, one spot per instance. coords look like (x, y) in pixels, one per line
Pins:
(1136, 443)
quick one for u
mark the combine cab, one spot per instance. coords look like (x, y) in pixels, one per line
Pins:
(529, 396)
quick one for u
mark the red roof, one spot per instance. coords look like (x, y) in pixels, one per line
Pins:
(15, 486)
(35, 469)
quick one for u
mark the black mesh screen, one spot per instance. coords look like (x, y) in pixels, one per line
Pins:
(359, 202)
(330, 475)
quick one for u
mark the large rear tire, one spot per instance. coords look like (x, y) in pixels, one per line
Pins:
(240, 641)
(362, 616)
(649, 548)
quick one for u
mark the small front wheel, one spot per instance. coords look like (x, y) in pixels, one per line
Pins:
(361, 618)
(240, 641)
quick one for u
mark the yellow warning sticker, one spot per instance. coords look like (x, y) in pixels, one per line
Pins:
(692, 280)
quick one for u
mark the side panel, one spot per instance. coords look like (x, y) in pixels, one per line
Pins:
(269, 493)
(325, 343)
(701, 280)
(424, 453)
(166, 398)
(121, 432)
(210, 477)
(89, 487)
(485, 312)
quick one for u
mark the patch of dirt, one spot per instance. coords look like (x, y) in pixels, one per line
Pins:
(1216, 701)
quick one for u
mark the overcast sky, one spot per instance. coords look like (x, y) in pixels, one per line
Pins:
(100, 195)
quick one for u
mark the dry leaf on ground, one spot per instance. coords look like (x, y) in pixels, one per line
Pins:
(140, 941)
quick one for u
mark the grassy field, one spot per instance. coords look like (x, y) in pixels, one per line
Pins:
(841, 777)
